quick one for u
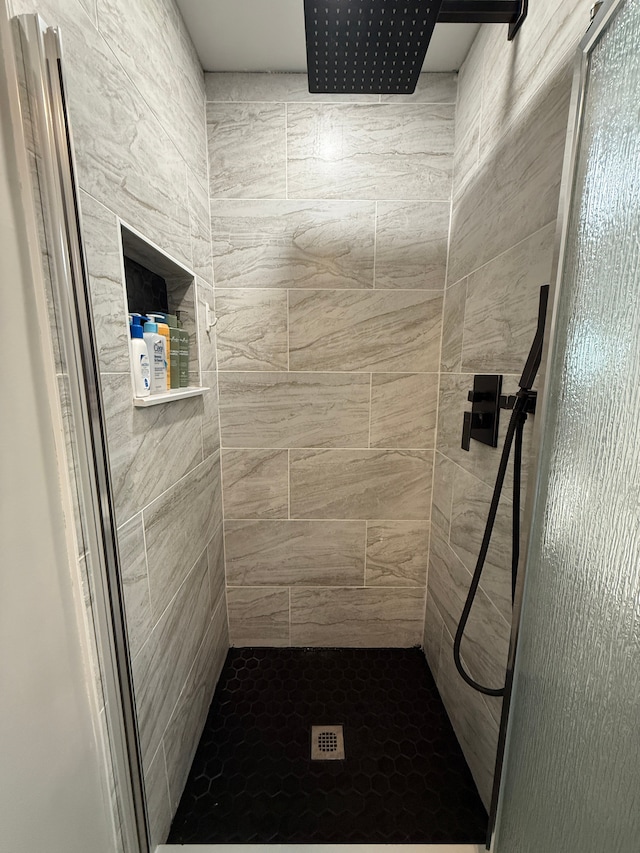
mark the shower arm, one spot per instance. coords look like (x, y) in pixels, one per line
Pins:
(512, 12)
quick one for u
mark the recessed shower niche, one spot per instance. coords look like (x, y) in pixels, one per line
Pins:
(157, 284)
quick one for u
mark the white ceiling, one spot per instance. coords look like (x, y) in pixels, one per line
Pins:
(268, 35)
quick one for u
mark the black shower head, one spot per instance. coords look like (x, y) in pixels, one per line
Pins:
(367, 46)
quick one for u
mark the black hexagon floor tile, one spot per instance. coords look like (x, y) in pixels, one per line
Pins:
(404, 778)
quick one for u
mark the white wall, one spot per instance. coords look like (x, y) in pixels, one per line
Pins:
(50, 791)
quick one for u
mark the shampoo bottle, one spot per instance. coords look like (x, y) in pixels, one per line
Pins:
(140, 362)
(163, 330)
(156, 346)
(174, 346)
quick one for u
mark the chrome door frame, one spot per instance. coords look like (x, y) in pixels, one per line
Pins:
(601, 21)
(43, 58)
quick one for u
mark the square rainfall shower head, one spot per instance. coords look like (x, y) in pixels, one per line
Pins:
(367, 46)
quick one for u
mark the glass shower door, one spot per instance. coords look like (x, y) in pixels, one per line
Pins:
(571, 781)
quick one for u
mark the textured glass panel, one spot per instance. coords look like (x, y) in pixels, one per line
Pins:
(572, 776)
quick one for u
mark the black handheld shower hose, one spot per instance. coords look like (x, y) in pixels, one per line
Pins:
(513, 438)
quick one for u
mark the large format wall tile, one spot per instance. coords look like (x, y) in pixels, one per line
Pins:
(246, 150)
(156, 789)
(373, 331)
(293, 410)
(499, 208)
(281, 87)
(432, 641)
(502, 306)
(149, 449)
(252, 329)
(162, 665)
(293, 243)
(104, 264)
(430, 89)
(285, 553)
(387, 151)
(411, 244)
(187, 721)
(178, 526)
(453, 327)
(475, 728)
(357, 617)
(200, 226)
(256, 483)
(394, 484)
(403, 409)
(151, 42)
(513, 78)
(397, 553)
(258, 617)
(125, 158)
(135, 583)
(469, 511)
(443, 475)
(486, 638)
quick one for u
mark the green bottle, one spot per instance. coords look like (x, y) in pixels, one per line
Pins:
(183, 347)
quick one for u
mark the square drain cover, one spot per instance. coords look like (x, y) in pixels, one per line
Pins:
(327, 743)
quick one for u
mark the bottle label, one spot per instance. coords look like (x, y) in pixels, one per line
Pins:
(145, 371)
(159, 364)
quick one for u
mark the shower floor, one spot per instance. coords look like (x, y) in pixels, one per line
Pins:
(403, 780)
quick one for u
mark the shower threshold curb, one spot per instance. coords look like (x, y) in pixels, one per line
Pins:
(321, 848)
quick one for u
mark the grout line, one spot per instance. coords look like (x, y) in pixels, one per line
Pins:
(370, 408)
(333, 520)
(288, 482)
(286, 150)
(338, 449)
(146, 563)
(328, 199)
(366, 538)
(289, 591)
(375, 242)
(288, 330)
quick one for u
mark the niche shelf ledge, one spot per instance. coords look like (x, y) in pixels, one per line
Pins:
(168, 397)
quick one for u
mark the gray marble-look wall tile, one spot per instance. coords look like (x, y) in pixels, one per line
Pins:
(256, 483)
(88, 581)
(247, 150)
(135, 582)
(512, 78)
(104, 264)
(432, 88)
(125, 158)
(210, 417)
(156, 789)
(403, 409)
(486, 639)
(163, 664)
(258, 617)
(151, 43)
(293, 410)
(252, 329)
(149, 449)
(287, 553)
(357, 618)
(178, 526)
(187, 721)
(502, 306)
(384, 151)
(397, 553)
(453, 327)
(203, 348)
(215, 559)
(443, 476)
(392, 484)
(372, 331)
(248, 86)
(432, 638)
(71, 453)
(285, 244)
(499, 208)
(411, 244)
(468, 110)
(475, 728)
(200, 226)
(469, 511)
